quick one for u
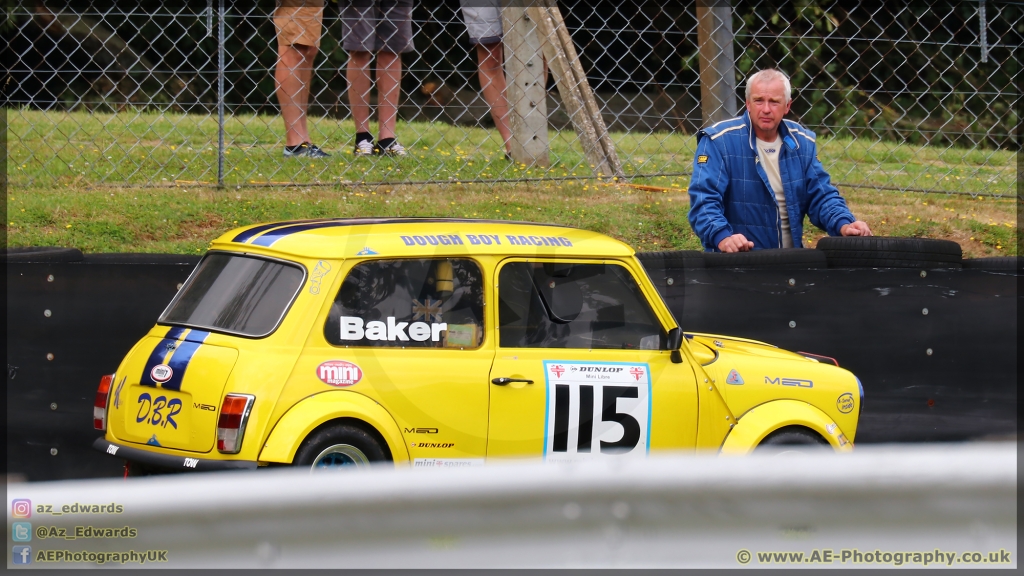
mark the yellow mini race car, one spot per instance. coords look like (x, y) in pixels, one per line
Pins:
(445, 343)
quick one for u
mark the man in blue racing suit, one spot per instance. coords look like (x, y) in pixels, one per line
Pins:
(756, 176)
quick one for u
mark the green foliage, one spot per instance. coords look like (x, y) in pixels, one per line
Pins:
(908, 72)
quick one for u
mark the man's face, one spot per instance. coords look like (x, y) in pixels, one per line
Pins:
(767, 107)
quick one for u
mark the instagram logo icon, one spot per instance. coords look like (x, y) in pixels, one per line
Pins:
(21, 508)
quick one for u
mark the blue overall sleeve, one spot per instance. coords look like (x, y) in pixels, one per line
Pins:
(827, 208)
(708, 187)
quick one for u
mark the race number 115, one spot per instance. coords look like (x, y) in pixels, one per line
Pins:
(588, 420)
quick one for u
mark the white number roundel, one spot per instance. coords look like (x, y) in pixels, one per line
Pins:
(161, 373)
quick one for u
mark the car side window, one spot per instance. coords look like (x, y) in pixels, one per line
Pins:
(571, 305)
(423, 303)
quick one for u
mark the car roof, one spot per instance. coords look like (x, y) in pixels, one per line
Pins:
(337, 238)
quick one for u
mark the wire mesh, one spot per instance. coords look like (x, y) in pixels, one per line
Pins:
(919, 97)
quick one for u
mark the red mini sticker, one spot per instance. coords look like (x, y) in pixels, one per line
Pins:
(339, 373)
(161, 373)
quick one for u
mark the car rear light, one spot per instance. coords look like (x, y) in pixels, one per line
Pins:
(234, 413)
(99, 407)
(819, 357)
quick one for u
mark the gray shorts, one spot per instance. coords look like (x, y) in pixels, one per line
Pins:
(483, 20)
(377, 26)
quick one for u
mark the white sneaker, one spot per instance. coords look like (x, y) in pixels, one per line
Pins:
(394, 149)
(364, 148)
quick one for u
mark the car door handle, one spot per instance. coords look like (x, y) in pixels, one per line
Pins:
(504, 381)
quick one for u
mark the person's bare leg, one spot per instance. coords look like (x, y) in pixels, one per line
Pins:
(389, 88)
(293, 76)
(492, 81)
(359, 84)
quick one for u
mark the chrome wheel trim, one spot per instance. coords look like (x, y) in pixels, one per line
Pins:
(339, 456)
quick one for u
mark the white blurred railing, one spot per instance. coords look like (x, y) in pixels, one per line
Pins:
(683, 511)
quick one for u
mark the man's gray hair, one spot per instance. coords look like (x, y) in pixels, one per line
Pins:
(769, 75)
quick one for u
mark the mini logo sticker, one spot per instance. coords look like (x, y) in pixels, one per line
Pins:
(366, 251)
(718, 343)
(339, 373)
(161, 373)
(702, 159)
(831, 428)
(845, 403)
(734, 377)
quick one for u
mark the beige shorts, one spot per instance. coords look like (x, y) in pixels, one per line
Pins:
(299, 22)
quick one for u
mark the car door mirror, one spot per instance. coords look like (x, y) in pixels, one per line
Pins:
(674, 342)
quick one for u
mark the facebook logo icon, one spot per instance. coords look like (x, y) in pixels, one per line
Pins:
(22, 554)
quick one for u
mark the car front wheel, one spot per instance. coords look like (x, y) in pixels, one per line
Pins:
(794, 440)
(340, 446)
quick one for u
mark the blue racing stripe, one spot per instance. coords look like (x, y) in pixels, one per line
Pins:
(244, 236)
(158, 354)
(273, 236)
(182, 356)
(282, 229)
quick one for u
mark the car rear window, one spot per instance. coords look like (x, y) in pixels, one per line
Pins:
(237, 294)
(423, 303)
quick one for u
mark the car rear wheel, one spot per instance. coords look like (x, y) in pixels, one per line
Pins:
(340, 446)
(787, 441)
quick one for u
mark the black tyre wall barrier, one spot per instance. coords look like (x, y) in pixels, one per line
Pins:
(872, 321)
(935, 350)
(69, 323)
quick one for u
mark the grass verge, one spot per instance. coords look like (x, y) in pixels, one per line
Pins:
(185, 220)
(142, 182)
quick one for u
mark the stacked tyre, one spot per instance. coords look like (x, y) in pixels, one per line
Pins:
(883, 252)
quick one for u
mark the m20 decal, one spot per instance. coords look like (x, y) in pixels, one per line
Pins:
(596, 409)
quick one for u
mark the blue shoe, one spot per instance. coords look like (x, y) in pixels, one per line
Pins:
(304, 150)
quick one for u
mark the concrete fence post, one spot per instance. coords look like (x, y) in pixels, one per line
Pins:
(717, 62)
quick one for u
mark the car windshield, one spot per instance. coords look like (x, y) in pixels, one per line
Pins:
(237, 294)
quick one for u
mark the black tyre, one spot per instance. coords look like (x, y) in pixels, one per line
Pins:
(882, 252)
(42, 254)
(340, 445)
(794, 440)
(137, 258)
(772, 259)
(995, 263)
(670, 259)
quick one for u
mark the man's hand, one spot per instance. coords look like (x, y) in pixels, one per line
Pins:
(739, 243)
(857, 228)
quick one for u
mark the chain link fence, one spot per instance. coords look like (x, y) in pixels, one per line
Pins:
(903, 96)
